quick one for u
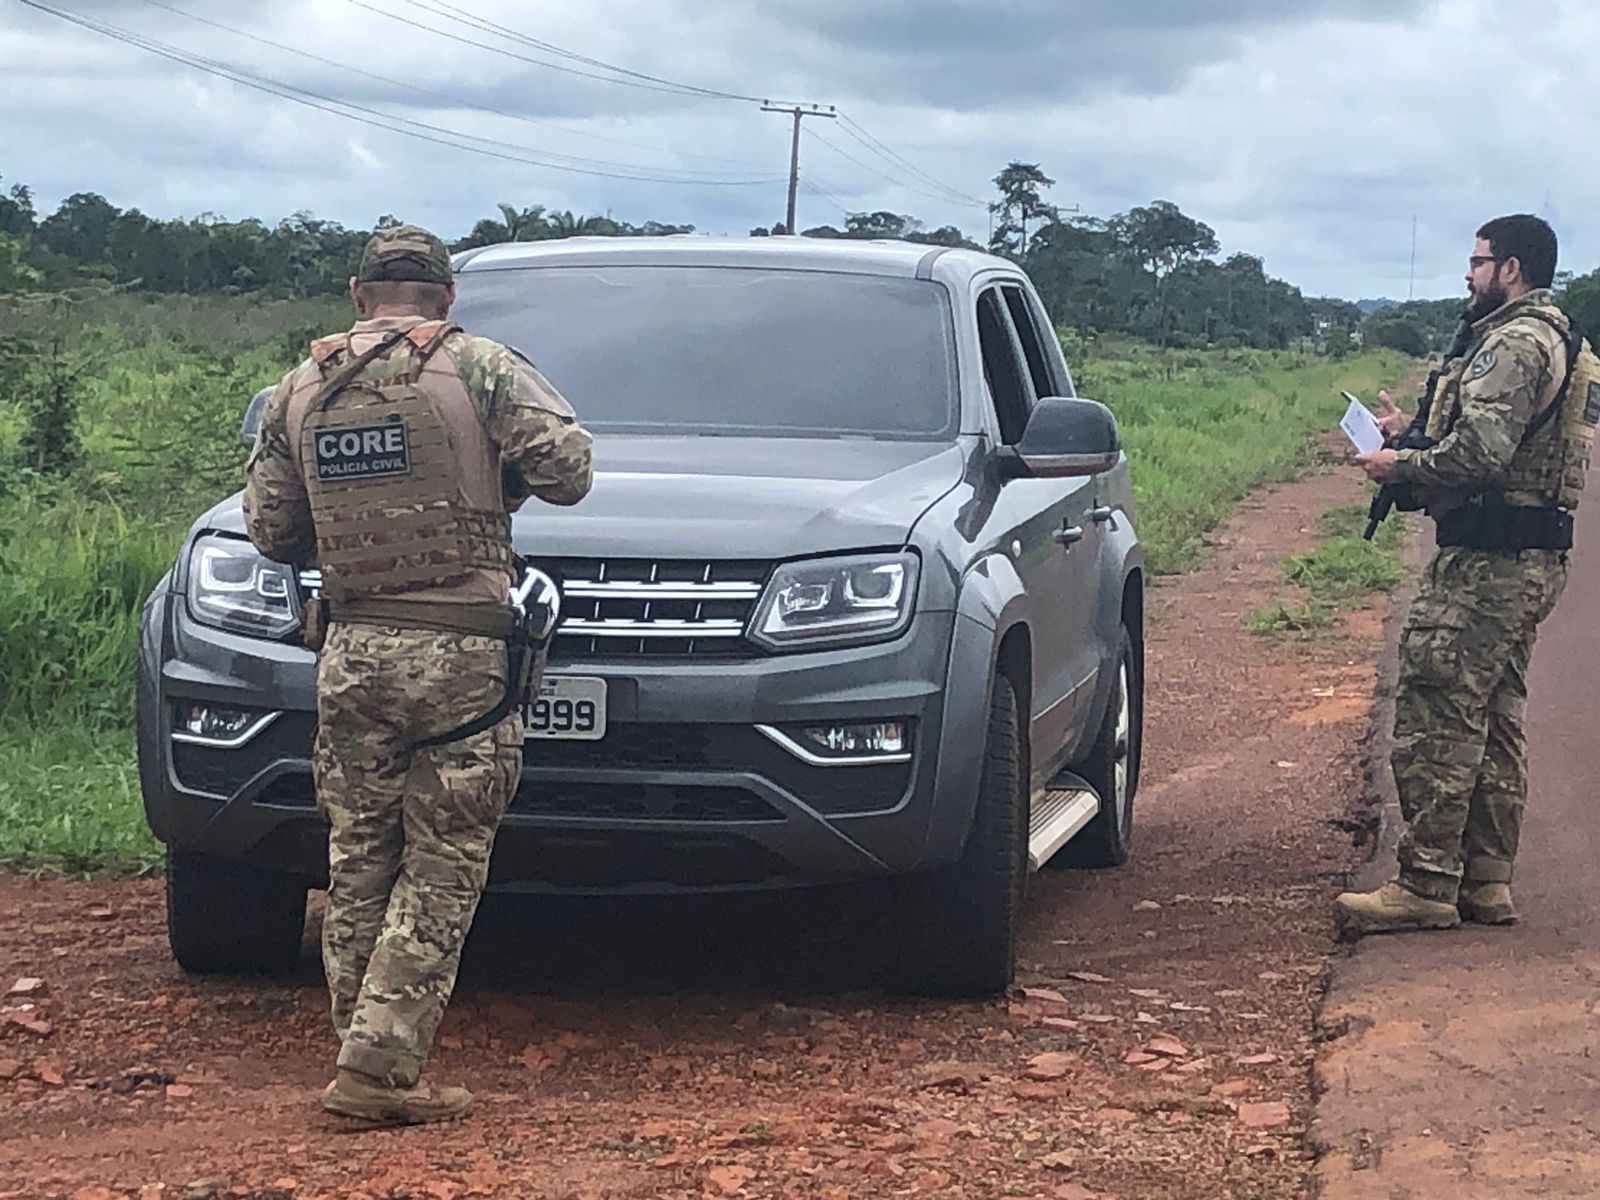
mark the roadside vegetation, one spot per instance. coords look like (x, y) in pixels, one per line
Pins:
(1344, 572)
(119, 424)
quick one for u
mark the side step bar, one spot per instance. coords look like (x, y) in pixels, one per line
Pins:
(1057, 814)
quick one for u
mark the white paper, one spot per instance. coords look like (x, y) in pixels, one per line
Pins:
(1361, 427)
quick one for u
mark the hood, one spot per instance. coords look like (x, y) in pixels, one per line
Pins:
(741, 498)
(732, 498)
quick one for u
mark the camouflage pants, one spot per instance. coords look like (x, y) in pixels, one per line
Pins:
(1460, 757)
(408, 851)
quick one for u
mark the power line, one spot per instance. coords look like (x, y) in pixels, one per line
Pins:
(455, 101)
(824, 194)
(419, 130)
(671, 90)
(634, 78)
(443, 8)
(854, 129)
(896, 181)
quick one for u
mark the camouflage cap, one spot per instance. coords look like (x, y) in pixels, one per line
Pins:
(405, 252)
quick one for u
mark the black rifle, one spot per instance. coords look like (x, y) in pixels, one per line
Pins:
(1402, 495)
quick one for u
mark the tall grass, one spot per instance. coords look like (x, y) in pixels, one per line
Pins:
(162, 386)
(69, 799)
(72, 581)
(1204, 430)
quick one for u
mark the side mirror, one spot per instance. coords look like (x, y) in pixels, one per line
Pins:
(252, 416)
(1064, 438)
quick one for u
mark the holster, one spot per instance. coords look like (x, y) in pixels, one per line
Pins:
(312, 610)
(314, 626)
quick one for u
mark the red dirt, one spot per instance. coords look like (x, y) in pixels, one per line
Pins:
(749, 1047)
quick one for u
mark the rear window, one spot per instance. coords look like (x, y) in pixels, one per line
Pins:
(717, 350)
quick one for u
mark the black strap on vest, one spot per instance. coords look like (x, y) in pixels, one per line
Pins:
(1574, 336)
(341, 378)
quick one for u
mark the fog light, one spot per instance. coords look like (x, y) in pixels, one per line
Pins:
(880, 737)
(214, 725)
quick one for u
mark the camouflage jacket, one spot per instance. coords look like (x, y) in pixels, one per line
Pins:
(1483, 405)
(545, 452)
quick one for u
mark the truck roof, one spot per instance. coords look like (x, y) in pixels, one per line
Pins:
(904, 259)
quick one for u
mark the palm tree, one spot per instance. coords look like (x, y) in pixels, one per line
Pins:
(529, 225)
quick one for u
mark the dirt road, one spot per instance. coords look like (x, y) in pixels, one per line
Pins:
(1470, 1070)
(1160, 1045)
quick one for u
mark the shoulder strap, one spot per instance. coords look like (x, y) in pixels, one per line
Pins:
(1574, 338)
(341, 378)
(428, 340)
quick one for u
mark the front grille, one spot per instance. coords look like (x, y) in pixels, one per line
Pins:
(640, 607)
(636, 608)
(833, 791)
(643, 801)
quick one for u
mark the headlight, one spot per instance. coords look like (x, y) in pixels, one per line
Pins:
(867, 597)
(234, 588)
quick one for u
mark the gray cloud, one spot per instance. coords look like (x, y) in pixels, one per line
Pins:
(1307, 134)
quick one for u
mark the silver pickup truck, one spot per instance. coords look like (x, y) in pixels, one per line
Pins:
(856, 595)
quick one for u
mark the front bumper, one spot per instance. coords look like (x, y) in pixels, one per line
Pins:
(684, 792)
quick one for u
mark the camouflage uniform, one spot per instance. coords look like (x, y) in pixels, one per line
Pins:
(1460, 757)
(411, 828)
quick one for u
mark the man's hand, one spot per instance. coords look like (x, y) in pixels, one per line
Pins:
(1379, 465)
(1391, 420)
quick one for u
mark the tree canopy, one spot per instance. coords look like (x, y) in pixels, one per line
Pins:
(1152, 272)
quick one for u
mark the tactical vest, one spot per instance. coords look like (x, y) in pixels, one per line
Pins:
(1551, 461)
(402, 478)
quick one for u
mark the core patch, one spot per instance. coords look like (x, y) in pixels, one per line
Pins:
(363, 451)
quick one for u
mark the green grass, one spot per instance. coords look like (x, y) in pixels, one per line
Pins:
(1204, 430)
(69, 800)
(79, 552)
(163, 386)
(72, 580)
(1343, 572)
(1350, 520)
(1297, 619)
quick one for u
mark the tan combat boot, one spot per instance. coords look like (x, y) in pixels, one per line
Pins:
(1392, 909)
(1487, 904)
(352, 1094)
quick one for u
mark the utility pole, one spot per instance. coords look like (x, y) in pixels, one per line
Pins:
(797, 111)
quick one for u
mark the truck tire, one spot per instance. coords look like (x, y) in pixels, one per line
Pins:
(227, 917)
(1112, 768)
(959, 923)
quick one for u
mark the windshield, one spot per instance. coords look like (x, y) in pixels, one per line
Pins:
(719, 350)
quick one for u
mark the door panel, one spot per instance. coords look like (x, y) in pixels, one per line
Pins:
(1054, 541)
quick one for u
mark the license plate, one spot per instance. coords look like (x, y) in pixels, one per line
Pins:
(571, 707)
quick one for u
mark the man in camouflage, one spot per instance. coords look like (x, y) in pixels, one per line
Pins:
(1510, 452)
(395, 455)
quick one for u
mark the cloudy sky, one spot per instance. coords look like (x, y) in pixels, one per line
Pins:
(1308, 133)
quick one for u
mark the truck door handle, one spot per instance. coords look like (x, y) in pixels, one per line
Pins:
(1103, 514)
(1069, 535)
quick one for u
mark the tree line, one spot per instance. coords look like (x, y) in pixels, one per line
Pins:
(1152, 272)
